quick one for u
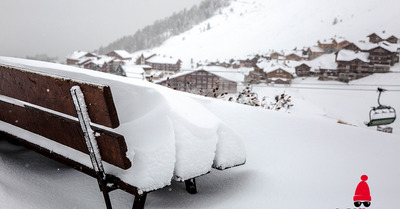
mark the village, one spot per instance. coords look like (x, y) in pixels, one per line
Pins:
(331, 59)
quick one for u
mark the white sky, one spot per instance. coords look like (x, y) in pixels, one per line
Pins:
(59, 27)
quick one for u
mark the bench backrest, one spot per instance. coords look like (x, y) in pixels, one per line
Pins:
(53, 93)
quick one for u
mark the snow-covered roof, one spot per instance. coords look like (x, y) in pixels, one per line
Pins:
(271, 65)
(76, 55)
(325, 61)
(365, 46)
(382, 34)
(133, 71)
(326, 41)
(389, 46)
(86, 59)
(294, 52)
(340, 39)
(163, 60)
(316, 49)
(348, 55)
(235, 75)
(122, 53)
(102, 60)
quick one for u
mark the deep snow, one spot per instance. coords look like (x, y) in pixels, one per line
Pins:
(302, 159)
(167, 135)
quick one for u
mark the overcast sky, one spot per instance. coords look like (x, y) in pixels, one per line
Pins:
(59, 27)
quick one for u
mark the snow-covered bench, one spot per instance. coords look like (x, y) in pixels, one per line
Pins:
(49, 106)
(158, 135)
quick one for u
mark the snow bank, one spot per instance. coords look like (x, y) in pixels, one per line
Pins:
(168, 134)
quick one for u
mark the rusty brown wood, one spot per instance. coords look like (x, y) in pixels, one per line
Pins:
(65, 131)
(54, 93)
(68, 162)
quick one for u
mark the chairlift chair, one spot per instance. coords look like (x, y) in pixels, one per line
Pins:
(381, 115)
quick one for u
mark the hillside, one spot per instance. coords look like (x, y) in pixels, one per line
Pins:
(257, 26)
(155, 34)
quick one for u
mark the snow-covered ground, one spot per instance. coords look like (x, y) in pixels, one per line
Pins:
(301, 159)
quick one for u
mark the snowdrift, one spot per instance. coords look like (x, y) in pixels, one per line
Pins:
(168, 134)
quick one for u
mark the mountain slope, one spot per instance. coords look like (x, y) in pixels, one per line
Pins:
(256, 26)
(155, 34)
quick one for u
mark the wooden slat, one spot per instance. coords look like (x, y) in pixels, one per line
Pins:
(54, 93)
(65, 131)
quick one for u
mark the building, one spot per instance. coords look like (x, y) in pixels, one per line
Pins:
(384, 54)
(328, 46)
(379, 37)
(279, 76)
(341, 42)
(303, 70)
(296, 56)
(352, 65)
(314, 52)
(276, 55)
(77, 56)
(200, 82)
(120, 54)
(272, 71)
(167, 65)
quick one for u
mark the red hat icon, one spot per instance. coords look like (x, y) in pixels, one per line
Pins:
(362, 190)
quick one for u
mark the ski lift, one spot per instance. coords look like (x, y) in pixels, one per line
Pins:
(381, 115)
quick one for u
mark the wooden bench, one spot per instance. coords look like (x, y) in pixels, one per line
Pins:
(53, 108)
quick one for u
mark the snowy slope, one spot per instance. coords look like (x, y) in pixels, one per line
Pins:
(294, 161)
(257, 26)
(350, 103)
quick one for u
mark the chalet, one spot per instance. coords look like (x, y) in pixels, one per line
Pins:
(249, 62)
(384, 54)
(358, 47)
(328, 46)
(141, 60)
(111, 65)
(168, 65)
(225, 63)
(294, 56)
(200, 81)
(376, 38)
(341, 43)
(314, 52)
(324, 66)
(255, 76)
(120, 54)
(352, 65)
(279, 76)
(134, 71)
(303, 70)
(76, 56)
(275, 55)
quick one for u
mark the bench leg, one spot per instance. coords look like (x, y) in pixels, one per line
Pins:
(191, 186)
(139, 202)
(107, 199)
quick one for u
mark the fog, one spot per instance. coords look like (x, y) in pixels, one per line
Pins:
(57, 28)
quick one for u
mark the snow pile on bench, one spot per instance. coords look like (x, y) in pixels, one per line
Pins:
(169, 135)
